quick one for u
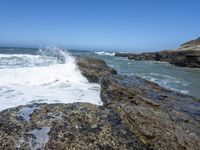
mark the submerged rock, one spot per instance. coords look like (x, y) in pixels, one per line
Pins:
(94, 69)
(158, 117)
(79, 126)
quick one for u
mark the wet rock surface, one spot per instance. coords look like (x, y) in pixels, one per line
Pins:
(65, 126)
(94, 69)
(159, 117)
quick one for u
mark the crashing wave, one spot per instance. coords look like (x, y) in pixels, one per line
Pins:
(49, 77)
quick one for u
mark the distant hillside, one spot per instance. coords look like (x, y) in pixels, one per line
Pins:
(192, 42)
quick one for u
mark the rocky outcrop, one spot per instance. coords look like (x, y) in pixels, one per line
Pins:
(184, 58)
(192, 44)
(158, 117)
(188, 55)
(123, 54)
(64, 127)
(94, 69)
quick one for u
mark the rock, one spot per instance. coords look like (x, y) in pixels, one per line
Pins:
(65, 126)
(94, 69)
(191, 43)
(188, 55)
(184, 58)
(123, 54)
(158, 117)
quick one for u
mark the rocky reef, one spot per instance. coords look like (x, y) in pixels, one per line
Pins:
(136, 114)
(188, 55)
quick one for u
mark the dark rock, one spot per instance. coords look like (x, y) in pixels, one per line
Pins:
(123, 54)
(94, 69)
(184, 58)
(188, 55)
(159, 117)
(65, 126)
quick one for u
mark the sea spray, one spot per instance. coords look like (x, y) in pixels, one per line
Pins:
(51, 76)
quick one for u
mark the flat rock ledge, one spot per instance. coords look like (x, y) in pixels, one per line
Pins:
(136, 114)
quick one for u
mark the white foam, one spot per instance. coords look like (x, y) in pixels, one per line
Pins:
(105, 53)
(166, 81)
(53, 83)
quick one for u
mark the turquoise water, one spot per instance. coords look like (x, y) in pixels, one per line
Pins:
(181, 79)
(184, 80)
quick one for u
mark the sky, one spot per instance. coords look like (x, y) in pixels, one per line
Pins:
(124, 25)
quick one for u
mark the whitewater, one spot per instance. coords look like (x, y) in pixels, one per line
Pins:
(50, 76)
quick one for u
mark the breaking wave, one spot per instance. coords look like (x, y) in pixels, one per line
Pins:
(50, 76)
(105, 53)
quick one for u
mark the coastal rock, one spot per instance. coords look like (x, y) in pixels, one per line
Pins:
(184, 58)
(94, 69)
(158, 117)
(136, 114)
(123, 54)
(192, 45)
(65, 126)
(188, 55)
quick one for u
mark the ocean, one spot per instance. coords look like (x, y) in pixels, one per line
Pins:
(31, 75)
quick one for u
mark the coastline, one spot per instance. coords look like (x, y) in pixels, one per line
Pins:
(188, 55)
(136, 113)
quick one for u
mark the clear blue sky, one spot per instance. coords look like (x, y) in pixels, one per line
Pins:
(99, 24)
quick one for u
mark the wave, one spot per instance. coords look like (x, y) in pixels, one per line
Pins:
(26, 60)
(49, 77)
(166, 81)
(105, 53)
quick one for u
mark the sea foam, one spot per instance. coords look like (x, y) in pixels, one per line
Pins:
(105, 53)
(49, 77)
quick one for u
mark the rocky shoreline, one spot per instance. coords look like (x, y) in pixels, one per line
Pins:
(188, 55)
(136, 114)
